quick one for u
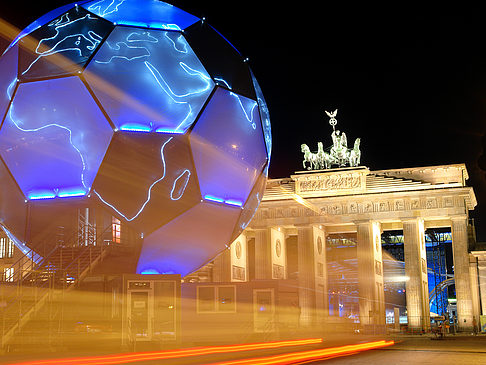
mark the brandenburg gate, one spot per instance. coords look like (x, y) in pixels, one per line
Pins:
(352, 199)
(313, 204)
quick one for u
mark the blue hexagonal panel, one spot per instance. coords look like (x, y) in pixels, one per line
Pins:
(8, 78)
(53, 138)
(189, 241)
(142, 13)
(149, 80)
(228, 147)
(62, 46)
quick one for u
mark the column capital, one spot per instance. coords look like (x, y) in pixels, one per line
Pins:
(362, 222)
(459, 217)
(411, 219)
(278, 228)
(258, 229)
(302, 225)
(368, 223)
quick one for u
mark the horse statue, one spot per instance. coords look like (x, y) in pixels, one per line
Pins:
(324, 158)
(339, 154)
(339, 150)
(310, 157)
(354, 155)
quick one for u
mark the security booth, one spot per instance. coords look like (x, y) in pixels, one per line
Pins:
(151, 309)
(237, 312)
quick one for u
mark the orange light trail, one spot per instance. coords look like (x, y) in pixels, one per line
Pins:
(305, 356)
(171, 354)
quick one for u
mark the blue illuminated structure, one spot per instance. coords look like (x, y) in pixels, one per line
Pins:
(140, 109)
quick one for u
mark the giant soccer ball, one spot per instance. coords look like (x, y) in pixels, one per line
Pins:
(140, 108)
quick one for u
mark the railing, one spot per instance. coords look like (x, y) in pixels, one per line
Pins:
(30, 283)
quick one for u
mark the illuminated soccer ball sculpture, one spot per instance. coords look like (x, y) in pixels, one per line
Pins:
(143, 109)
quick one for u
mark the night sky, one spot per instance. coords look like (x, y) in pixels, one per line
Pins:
(411, 82)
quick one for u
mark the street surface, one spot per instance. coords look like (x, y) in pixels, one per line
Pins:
(423, 350)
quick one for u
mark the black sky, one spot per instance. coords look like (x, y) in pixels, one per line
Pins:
(411, 82)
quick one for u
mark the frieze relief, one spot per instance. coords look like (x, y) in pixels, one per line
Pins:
(330, 183)
(414, 203)
(448, 201)
(383, 206)
(359, 207)
(431, 203)
(353, 207)
(399, 204)
(367, 207)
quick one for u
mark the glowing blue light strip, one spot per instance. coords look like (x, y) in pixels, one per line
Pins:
(170, 131)
(41, 196)
(156, 25)
(133, 127)
(236, 203)
(149, 193)
(215, 199)
(70, 194)
(58, 193)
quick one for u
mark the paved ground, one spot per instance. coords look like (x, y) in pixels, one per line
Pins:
(424, 350)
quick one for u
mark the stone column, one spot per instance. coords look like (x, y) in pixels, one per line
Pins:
(461, 273)
(222, 267)
(416, 288)
(307, 299)
(370, 273)
(482, 283)
(320, 270)
(263, 254)
(473, 277)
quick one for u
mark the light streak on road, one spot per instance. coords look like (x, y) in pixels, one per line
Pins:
(312, 355)
(172, 354)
